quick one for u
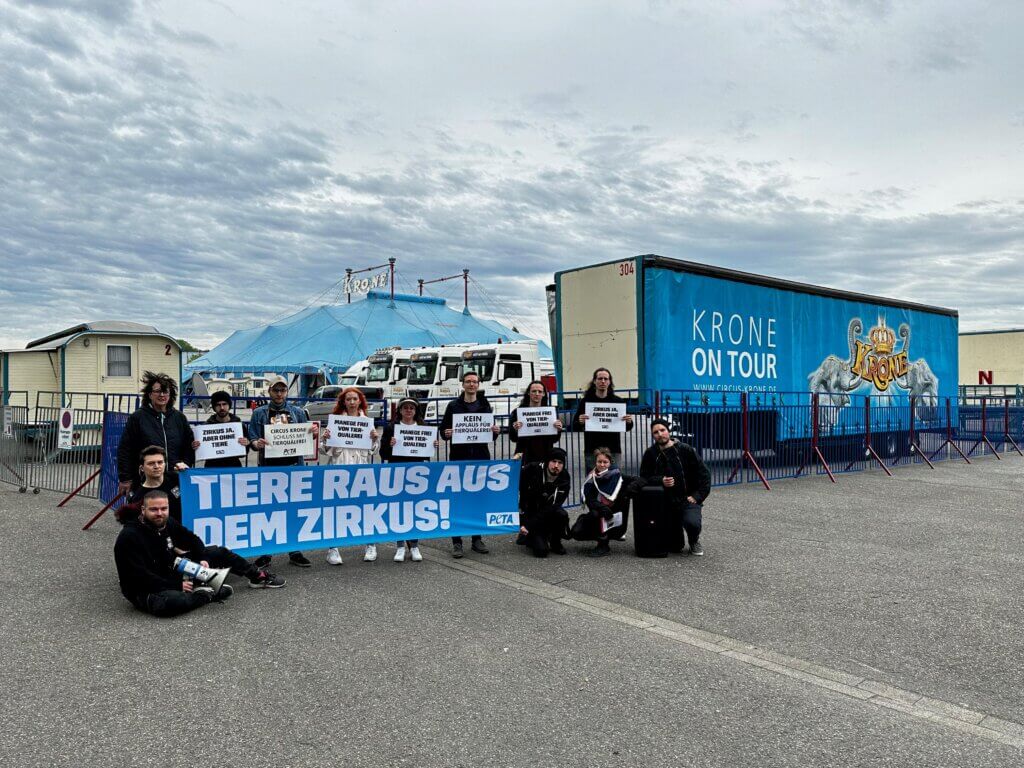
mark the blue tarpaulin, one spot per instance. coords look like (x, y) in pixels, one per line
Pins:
(332, 337)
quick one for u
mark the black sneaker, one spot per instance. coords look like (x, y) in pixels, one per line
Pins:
(225, 591)
(697, 549)
(206, 593)
(599, 551)
(479, 546)
(262, 561)
(300, 560)
(266, 580)
(558, 549)
(457, 550)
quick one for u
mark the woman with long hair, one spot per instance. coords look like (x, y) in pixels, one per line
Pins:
(603, 496)
(351, 402)
(534, 447)
(408, 413)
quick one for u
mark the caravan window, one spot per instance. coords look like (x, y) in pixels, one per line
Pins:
(119, 360)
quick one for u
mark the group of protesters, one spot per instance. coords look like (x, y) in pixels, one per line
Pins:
(158, 443)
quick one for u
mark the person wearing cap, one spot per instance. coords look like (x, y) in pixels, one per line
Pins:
(278, 411)
(351, 402)
(533, 448)
(676, 467)
(470, 401)
(408, 413)
(543, 489)
(220, 401)
(157, 422)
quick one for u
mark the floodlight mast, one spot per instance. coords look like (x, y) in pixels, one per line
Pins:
(465, 286)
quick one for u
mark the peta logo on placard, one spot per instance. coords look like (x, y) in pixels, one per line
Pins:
(502, 518)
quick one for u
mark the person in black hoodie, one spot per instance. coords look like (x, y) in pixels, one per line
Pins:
(678, 469)
(601, 390)
(145, 551)
(468, 402)
(543, 489)
(535, 447)
(153, 476)
(155, 423)
(221, 403)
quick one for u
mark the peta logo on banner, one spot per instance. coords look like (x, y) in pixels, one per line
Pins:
(501, 519)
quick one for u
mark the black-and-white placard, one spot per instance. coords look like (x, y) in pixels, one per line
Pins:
(218, 441)
(414, 441)
(605, 417)
(472, 428)
(537, 421)
(286, 441)
(350, 432)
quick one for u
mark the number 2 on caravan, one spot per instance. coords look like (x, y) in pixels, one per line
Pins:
(626, 268)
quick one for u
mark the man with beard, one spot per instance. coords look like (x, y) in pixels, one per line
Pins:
(601, 390)
(145, 551)
(221, 404)
(677, 468)
(278, 411)
(543, 489)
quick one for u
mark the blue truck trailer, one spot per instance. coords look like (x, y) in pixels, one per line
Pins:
(687, 332)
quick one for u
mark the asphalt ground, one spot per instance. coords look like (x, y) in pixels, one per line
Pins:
(873, 622)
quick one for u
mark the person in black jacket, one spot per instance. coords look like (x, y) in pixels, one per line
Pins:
(468, 402)
(220, 401)
(155, 423)
(533, 448)
(601, 390)
(145, 551)
(153, 476)
(408, 413)
(677, 468)
(543, 489)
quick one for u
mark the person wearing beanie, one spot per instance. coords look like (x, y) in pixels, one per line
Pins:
(220, 401)
(543, 489)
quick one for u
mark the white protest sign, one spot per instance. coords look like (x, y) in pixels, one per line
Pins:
(605, 417)
(8, 421)
(414, 441)
(537, 421)
(471, 428)
(285, 441)
(66, 429)
(350, 432)
(218, 441)
(615, 522)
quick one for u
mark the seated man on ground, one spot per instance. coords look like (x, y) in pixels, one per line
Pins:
(543, 489)
(146, 549)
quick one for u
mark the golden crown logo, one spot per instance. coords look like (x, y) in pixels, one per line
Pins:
(882, 339)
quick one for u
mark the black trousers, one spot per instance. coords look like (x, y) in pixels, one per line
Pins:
(222, 557)
(172, 602)
(546, 530)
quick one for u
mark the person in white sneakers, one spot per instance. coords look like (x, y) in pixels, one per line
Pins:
(351, 402)
(408, 413)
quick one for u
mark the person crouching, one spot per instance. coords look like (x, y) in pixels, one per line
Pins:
(543, 489)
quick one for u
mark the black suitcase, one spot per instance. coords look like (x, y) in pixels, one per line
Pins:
(651, 523)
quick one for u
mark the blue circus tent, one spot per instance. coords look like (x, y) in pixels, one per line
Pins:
(331, 337)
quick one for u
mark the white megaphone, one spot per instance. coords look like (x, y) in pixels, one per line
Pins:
(211, 577)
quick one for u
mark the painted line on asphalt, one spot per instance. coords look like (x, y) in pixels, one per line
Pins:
(852, 686)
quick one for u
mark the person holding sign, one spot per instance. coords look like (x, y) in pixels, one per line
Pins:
(601, 390)
(407, 416)
(535, 433)
(221, 403)
(357, 446)
(543, 489)
(278, 411)
(469, 402)
(677, 468)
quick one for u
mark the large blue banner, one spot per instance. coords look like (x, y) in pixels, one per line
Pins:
(267, 510)
(717, 335)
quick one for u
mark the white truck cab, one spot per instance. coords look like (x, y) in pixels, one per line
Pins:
(505, 370)
(434, 373)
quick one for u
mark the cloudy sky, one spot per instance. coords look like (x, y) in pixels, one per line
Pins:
(209, 165)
